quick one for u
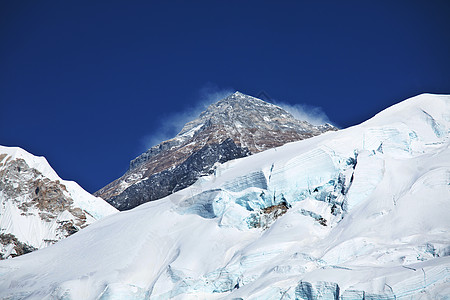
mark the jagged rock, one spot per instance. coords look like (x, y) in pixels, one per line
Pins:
(268, 215)
(37, 208)
(11, 247)
(234, 127)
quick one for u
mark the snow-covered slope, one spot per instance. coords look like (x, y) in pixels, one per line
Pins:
(37, 208)
(362, 213)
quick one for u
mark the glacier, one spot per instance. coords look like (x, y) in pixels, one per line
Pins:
(361, 213)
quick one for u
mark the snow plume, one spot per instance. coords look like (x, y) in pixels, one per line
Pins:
(171, 125)
(312, 114)
(211, 94)
(304, 112)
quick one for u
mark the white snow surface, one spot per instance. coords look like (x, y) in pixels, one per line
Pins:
(382, 187)
(29, 227)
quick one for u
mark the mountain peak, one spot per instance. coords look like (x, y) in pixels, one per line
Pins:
(236, 126)
(241, 97)
(245, 110)
(236, 95)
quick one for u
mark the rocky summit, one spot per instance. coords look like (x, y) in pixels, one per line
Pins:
(234, 127)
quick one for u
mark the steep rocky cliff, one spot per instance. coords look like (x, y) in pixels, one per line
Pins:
(235, 127)
(37, 208)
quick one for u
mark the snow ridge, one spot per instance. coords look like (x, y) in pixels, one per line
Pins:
(37, 207)
(361, 213)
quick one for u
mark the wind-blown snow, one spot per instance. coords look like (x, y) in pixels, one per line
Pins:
(359, 213)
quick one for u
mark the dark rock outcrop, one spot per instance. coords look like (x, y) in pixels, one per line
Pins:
(169, 181)
(19, 248)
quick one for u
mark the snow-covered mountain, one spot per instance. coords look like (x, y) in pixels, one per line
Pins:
(37, 208)
(234, 127)
(361, 213)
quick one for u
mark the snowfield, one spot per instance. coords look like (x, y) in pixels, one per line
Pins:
(362, 213)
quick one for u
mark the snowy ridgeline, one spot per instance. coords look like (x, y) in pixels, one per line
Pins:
(37, 208)
(357, 214)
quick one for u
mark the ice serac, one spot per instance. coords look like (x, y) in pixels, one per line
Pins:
(234, 127)
(361, 213)
(37, 208)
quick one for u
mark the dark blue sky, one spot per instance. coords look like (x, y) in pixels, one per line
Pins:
(85, 82)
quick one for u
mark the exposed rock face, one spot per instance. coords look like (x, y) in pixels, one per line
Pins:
(234, 127)
(12, 247)
(166, 182)
(36, 208)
